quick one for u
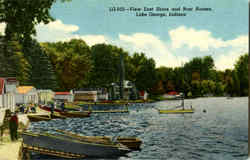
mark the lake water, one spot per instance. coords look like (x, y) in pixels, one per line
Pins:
(219, 134)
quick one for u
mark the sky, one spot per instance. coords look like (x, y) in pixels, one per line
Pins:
(171, 41)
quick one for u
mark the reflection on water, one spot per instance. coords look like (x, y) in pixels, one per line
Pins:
(220, 133)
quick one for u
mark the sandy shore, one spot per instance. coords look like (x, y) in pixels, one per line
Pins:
(9, 150)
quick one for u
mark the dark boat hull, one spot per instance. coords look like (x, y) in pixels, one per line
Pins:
(130, 142)
(65, 144)
(75, 114)
(37, 118)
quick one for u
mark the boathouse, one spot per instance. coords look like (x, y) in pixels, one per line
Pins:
(7, 93)
(26, 95)
(91, 94)
(45, 96)
(64, 96)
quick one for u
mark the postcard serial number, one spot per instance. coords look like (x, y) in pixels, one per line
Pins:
(132, 9)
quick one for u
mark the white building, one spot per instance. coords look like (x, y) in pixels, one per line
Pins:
(7, 93)
(45, 95)
(26, 94)
(64, 96)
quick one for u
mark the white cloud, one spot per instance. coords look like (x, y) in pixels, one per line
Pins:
(240, 42)
(227, 52)
(238, 47)
(59, 26)
(227, 61)
(202, 39)
(58, 31)
(90, 39)
(153, 47)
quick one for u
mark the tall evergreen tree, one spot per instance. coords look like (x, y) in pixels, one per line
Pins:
(12, 62)
(41, 73)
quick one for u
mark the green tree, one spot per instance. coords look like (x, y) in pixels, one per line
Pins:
(145, 73)
(14, 64)
(241, 68)
(106, 64)
(71, 61)
(41, 71)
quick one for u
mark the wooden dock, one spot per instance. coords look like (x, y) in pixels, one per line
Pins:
(24, 152)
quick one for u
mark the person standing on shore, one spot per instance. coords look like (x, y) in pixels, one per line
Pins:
(52, 109)
(62, 106)
(13, 126)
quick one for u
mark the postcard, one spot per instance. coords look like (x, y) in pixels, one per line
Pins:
(124, 79)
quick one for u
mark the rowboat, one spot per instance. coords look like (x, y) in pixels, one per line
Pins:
(107, 111)
(62, 143)
(69, 114)
(75, 114)
(37, 118)
(180, 111)
(132, 143)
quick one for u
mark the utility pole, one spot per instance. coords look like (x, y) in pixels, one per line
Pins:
(122, 76)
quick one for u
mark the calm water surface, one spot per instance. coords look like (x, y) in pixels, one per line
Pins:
(219, 134)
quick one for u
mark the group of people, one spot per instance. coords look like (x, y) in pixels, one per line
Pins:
(27, 108)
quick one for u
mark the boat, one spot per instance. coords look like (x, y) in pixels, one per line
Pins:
(132, 143)
(176, 111)
(69, 144)
(75, 114)
(107, 111)
(37, 118)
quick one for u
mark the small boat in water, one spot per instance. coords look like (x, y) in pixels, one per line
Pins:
(107, 111)
(176, 111)
(37, 118)
(67, 114)
(70, 144)
(75, 114)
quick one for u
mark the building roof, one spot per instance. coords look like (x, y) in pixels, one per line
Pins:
(11, 79)
(62, 93)
(173, 93)
(1, 85)
(24, 89)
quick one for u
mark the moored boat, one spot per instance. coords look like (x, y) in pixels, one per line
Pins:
(75, 114)
(68, 144)
(130, 142)
(177, 111)
(181, 111)
(37, 118)
(46, 108)
(107, 111)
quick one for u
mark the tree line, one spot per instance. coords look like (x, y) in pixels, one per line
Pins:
(71, 65)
